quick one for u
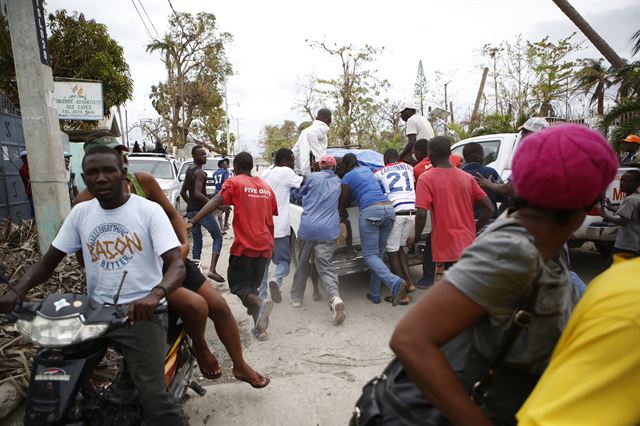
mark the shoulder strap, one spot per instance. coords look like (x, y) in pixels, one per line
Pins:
(136, 185)
(520, 319)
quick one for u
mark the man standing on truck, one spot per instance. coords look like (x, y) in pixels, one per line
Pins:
(319, 229)
(312, 142)
(396, 179)
(417, 128)
(282, 179)
(630, 147)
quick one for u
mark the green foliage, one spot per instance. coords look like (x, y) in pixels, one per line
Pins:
(495, 123)
(354, 92)
(628, 77)
(191, 98)
(593, 78)
(421, 88)
(274, 137)
(80, 49)
(621, 120)
(552, 70)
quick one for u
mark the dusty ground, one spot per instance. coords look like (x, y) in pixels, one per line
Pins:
(317, 369)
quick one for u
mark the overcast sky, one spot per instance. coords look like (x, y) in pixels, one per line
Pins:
(269, 52)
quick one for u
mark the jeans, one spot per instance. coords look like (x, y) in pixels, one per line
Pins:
(211, 224)
(282, 259)
(375, 223)
(143, 345)
(323, 251)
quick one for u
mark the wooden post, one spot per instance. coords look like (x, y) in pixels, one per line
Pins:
(476, 106)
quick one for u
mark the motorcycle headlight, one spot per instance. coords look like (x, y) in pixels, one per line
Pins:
(59, 332)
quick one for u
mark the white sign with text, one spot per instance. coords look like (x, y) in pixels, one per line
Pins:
(78, 100)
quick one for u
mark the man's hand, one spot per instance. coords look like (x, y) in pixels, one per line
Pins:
(483, 181)
(189, 225)
(411, 243)
(142, 309)
(8, 302)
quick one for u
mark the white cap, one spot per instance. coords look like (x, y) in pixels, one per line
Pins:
(534, 124)
(408, 104)
(23, 154)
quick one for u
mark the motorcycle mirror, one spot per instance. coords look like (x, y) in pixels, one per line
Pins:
(117, 295)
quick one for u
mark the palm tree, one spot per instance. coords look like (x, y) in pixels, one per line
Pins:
(623, 120)
(594, 78)
(610, 55)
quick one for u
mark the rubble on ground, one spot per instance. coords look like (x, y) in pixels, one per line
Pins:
(19, 248)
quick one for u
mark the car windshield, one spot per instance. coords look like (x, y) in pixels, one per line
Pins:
(159, 169)
(210, 167)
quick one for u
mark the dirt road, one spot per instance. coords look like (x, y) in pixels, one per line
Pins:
(317, 370)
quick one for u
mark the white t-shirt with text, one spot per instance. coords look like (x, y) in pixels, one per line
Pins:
(398, 184)
(281, 180)
(129, 238)
(419, 126)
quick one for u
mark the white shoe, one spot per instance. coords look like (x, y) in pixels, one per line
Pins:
(337, 308)
(262, 322)
(296, 304)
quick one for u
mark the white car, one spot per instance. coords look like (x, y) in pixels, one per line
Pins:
(163, 168)
(499, 150)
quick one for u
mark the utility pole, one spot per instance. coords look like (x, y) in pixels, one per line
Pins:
(446, 102)
(476, 106)
(451, 111)
(39, 117)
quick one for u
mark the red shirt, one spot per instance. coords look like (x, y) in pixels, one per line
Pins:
(255, 205)
(26, 180)
(450, 195)
(425, 164)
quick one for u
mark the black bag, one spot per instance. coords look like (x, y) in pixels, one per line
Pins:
(393, 399)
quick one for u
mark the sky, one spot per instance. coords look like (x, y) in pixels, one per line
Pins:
(269, 51)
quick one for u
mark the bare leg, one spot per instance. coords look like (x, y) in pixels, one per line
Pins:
(212, 268)
(193, 310)
(228, 332)
(406, 274)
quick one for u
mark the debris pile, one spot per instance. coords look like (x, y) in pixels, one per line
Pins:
(19, 248)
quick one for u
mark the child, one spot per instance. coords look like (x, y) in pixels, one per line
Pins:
(627, 215)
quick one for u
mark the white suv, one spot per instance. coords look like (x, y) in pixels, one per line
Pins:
(163, 168)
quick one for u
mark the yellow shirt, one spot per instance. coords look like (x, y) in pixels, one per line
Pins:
(593, 377)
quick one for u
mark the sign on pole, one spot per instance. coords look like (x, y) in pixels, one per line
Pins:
(78, 100)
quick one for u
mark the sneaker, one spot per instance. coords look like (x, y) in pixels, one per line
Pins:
(261, 336)
(337, 308)
(399, 293)
(262, 321)
(424, 283)
(274, 289)
(296, 304)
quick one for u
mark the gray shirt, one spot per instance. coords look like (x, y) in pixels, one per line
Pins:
(628, 237)
(496, 272)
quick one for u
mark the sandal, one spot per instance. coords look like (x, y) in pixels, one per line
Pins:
(216, 277)
(374, 299)
(254, 385)
(402, 301)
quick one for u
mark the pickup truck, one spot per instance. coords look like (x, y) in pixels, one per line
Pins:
(347, 263)
(499, 150)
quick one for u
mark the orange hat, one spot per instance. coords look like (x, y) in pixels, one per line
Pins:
(632, 138)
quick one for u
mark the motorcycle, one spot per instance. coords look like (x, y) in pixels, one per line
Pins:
(76, 377)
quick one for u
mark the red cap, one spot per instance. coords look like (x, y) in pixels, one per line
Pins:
(327, 160)
(632, 138)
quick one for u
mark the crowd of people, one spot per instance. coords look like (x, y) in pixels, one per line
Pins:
(488, 277)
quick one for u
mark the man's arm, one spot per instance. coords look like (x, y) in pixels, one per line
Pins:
(209, 208)
(505, 189)
(345, 196)
(200, 176)
(408, 149)
(154, 193)
(613, 218)
(142, 309)
(184, 190)
(421, 221)
(37, 274)
(485, 213)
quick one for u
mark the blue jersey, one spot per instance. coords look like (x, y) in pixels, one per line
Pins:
(219, 177)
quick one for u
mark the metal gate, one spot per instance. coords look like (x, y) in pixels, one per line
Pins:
(13, 198)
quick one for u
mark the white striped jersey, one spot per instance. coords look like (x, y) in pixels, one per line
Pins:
(397, 182)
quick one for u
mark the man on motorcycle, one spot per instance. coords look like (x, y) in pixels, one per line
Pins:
(122, 236)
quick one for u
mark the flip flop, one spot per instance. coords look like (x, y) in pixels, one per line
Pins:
(402, 302)
(253, 385)
(213, 376)
(216, 277)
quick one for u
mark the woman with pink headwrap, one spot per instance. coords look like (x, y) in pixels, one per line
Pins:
(464, 337)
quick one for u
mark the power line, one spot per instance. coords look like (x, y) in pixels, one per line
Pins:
(142, 19)
(176, 14)
(148, 18)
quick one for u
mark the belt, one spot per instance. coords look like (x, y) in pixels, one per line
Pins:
(406, 213)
